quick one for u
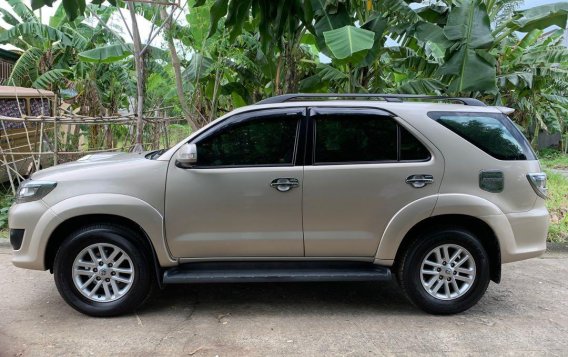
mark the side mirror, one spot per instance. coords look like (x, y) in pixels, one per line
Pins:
(186, 156)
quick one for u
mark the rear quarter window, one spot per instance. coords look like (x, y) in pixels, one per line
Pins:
(493, 133)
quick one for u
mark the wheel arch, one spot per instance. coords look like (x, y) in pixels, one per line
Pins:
(127, 211)
(478, 227)
(65, 228)
(474, 213)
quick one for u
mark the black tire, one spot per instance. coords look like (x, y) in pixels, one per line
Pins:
(143, 282)
(409, 276)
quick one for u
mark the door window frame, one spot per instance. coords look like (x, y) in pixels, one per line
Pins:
(249, 116)
(313, 112)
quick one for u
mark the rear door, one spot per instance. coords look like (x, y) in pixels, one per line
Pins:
(362, 166)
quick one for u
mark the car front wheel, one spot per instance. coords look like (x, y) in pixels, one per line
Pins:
(101, 270)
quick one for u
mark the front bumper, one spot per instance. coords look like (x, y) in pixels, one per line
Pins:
(36, 219)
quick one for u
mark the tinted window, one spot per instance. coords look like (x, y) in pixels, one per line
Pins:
(355, 138)
(268, 141)
(410, 148)
(493, 133)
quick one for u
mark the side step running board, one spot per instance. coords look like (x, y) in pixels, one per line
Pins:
(261, 272)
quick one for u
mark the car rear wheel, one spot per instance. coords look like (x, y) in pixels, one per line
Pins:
(101, 270)
(445, 271)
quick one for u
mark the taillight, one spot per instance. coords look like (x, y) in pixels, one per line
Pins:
(538, 183)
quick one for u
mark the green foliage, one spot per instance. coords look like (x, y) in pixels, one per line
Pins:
(348, 41)
(106, 54)
(472, 68)
(235, 52)
(198, 28)
(23, 11)
(557, 183)
(199, 67)
(73, 8)
(557, 205)
(540, 17)
(50, 78)
(553, 159)
(5, 203)
(33, 30)
(25, 70)
(218, 10)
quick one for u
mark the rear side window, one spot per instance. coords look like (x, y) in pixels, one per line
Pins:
(493, 133)
(358, 138)
(355, 137)
(410, 148)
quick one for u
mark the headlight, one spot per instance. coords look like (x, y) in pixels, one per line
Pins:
(34, 190)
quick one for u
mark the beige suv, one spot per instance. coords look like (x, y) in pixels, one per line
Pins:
(296, 188)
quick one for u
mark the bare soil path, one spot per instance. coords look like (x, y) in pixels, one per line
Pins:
(527, 314)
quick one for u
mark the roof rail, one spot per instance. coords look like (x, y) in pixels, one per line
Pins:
(387, 97)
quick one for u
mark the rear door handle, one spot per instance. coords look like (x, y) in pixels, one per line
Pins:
(285, 184)
(419, 181)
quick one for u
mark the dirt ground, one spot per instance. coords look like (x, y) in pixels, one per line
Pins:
(527, 314)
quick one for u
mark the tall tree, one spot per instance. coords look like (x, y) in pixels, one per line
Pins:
(139, 65)
(177, 69)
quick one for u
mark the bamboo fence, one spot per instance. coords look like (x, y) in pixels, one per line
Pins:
(39, 137)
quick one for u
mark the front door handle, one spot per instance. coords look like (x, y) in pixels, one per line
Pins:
(419, 181)
(285, 184)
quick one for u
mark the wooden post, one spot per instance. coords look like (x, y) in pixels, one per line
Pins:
(40, 141)
(10, 148)
(5, 161)
(55, 140)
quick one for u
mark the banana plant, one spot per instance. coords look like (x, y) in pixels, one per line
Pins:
(533, 77)
(73, 8)
(49, 49)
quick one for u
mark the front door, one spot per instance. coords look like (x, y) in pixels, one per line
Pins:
(355, 178)
(244, 196)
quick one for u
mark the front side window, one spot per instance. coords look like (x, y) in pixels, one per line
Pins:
(260, 141)
(493, 133)
(357, 136)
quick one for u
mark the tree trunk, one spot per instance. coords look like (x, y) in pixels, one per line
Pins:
(277, 80)
(218, 75)
(177, 72)
(139, 63)
(291, 80)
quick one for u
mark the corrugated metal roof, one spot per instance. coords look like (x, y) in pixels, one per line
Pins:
(9, 55)
(10, 92)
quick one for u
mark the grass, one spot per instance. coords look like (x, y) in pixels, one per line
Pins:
(557, 203)
(553, 159)
(5, 202)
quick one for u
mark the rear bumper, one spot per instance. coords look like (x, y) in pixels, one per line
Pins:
(530, 230)
(521, 235)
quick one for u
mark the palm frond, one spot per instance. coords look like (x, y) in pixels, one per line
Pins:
(25, 69)
(9, 18)
(23, 11)
(33, 31)
(549, 55)
(421, 86)
(50, 78)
